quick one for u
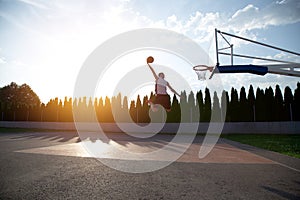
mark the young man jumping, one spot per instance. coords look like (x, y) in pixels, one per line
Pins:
(161, 96)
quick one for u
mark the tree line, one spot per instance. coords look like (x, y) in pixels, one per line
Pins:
(20, 103)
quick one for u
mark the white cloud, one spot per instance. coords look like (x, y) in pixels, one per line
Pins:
(115, 17)
(18, 63)
(2, 60)
(244, 18)
(281, 2)
(282, 56)
(248, 9)
(34, 3)
(175, 24)
(287, 57)
(200, 25)
(251, 17)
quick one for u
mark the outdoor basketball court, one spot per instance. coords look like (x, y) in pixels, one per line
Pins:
(221, 153)
(55, 165)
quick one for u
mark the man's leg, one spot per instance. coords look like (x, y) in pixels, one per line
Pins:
(153, 107)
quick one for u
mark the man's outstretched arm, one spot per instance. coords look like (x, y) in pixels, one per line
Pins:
(174, 91)
(153, 72)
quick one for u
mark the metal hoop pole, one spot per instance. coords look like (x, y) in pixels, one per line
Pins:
(217, 50)
(260, 43)
(258, 58)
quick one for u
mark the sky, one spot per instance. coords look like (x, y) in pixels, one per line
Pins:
(45, 43)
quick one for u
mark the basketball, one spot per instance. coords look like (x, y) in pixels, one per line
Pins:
(150, 59)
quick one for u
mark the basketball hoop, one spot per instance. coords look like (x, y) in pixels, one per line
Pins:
(201, 71)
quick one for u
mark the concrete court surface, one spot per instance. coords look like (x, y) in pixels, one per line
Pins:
(54, 165)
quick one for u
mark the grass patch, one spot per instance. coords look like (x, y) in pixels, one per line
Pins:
(285, 144)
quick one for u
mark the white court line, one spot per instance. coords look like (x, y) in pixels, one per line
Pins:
(283, 165)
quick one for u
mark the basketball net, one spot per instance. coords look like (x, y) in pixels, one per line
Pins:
(201, 75)
(201, 71)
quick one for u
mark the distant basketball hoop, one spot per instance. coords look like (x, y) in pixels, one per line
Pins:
(201, 71)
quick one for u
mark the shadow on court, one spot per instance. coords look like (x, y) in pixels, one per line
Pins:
(282, 193)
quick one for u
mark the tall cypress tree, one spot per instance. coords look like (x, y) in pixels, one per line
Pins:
(90, 111)
(216, 110)
(100, 112)
(51, 110)
(207, 106)
(107, 117)
(60, 111)
(175, 114)
(296, 103)
(125, 110)
(114, 111)
(200, 103)
(234, 105)
(118, 103)
(224, 106)
(251, 103)
(260, 108)
(125, 103)
(243, 111)
(193, 110)
(132, 111)
(145, 111)
(278, 105)
(176, 109)
(138, 107)
(288, 103)
(269, 104)
(66, 114)
(184, 107)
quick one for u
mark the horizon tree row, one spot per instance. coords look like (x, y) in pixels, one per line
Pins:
(20, 103)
